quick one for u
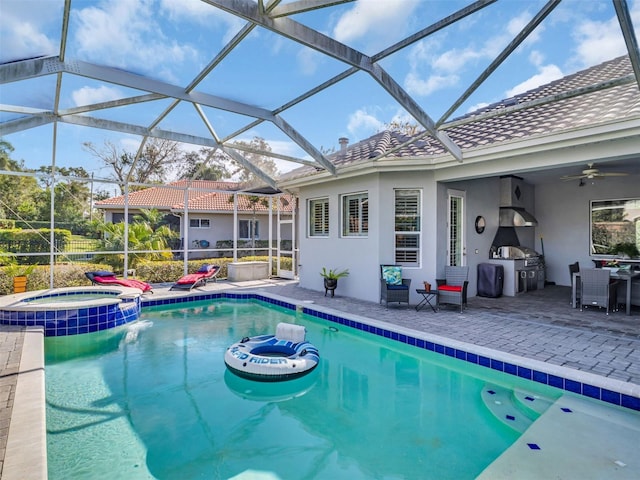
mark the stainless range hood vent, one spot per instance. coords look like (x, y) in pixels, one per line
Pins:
(516, 217)
(512, 211)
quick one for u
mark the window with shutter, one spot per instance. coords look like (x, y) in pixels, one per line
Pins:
(319, 217)
(408, 226)
(355, 215)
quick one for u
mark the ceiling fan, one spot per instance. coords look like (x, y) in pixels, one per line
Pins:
(593, 173)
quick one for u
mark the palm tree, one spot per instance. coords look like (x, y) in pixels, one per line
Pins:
(145, 243)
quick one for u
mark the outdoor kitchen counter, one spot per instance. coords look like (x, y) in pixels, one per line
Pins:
(510, 268)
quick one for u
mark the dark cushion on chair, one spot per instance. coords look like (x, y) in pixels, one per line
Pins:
(450, 288)
(103, 273)
(397, 287)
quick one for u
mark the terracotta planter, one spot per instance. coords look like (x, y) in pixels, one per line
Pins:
(20, 284)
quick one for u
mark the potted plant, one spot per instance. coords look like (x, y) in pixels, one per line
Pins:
(331, 277)
(625, 250)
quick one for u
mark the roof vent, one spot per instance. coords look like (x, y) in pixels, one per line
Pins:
(343, 141)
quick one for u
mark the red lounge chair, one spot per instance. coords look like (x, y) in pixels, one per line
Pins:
(109, 278)
(201, 277)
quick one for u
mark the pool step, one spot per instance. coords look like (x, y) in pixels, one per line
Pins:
(517, 409)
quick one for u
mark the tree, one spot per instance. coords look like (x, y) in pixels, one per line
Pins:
(151, 244)
(159, 157)
(205, 164)
(405, 127)
(17, 193)
(72, 198)
(263, 162)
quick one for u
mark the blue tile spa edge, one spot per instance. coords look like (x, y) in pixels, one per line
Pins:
(585, 389)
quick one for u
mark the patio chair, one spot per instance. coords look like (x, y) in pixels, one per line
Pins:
(393, 288)
(574, 268)
(452, 289)
(204, 274)
(597, 289)
(102, 277)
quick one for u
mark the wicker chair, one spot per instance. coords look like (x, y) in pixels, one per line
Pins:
(393, 293)
(574, 268)
(597, 289)
(453, 288)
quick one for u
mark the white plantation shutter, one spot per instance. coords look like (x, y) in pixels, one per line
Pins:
(319, 217)
(355, 215)
(407, 227)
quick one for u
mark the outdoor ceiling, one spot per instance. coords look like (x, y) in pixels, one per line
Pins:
(213, 72)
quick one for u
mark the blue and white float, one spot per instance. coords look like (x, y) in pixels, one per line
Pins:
(272, 358)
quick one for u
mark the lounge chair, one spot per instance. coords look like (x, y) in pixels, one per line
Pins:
(102, 277)
(204, 274)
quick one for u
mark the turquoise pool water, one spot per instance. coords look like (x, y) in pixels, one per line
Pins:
(153, 400)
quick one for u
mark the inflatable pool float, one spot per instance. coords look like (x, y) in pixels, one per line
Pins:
(273, 358)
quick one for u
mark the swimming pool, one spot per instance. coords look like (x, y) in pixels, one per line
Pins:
(72, 310)
(154, 400)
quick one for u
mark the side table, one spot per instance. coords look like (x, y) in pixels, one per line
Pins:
(427, 297)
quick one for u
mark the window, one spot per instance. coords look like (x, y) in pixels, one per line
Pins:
(199, 223)
(614, 227)
(355, 215)
(319, 217)
(407, 227)
(456, 231)
(248, 229)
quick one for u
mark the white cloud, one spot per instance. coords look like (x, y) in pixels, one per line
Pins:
(546, 74)
(362, 124)
(126, 34)
(432, 69)
(308, 60)
(601, 41)
(89, 95)
(423, 87)
(374, 18)
(23, 33)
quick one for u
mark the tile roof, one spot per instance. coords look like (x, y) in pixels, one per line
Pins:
(468, 132)
(203, 196)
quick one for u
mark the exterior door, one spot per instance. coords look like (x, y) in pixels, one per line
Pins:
(456, 242)
(286, 240)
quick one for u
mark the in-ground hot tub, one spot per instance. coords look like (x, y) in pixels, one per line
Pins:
(72, 310)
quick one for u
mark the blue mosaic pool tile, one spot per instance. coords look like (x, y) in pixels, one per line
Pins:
(566, 410)
(540, 377)
(438, 348)
(510, 417)
(497, 365)
(524, 373)
(472, 358)
(591, 391)
(630, 402)
(556, 381)
(510, 368)
(610, 396)
(429, 345)
(572, 386)
(484, 361)
(449, 351)
(461, 354)
(533, 446)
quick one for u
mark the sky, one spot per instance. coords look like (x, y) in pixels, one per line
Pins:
(173, 40)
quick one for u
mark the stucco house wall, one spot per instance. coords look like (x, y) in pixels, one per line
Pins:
(564, 220)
